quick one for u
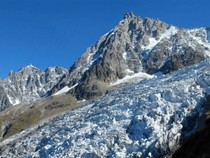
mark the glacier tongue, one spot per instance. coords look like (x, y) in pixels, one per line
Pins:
(143, 120)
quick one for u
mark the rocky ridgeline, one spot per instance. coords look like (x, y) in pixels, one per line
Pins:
(28, 84)
(134, 45)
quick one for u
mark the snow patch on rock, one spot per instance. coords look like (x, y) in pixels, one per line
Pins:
(137, 77)
(153, 42)
(64, 90)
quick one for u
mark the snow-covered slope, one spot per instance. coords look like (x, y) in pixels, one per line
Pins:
(142, 120)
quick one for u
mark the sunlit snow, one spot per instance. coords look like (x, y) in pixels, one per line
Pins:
(153, 42)
(13, 101)
(137, 77)
(143, 120)
(64, 90)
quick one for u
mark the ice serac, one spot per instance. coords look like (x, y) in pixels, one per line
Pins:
(31, 83)
(145, 120)
(134, 45)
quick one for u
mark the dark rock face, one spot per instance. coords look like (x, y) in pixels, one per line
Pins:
(198, 144)
(134, 45)
(174, 53)
(180, 60)
(4, 99)
(208, 33)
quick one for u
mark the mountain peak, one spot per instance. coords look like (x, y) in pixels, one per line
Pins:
(135, 45)
(29, 67)
(129, 15)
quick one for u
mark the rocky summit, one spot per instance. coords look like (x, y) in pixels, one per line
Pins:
(135, 45)
(140, 91)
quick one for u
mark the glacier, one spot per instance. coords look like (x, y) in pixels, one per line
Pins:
(145, 119)
(208, 33)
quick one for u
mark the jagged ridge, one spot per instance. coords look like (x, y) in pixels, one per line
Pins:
(29, 84)
(156, 109)
(135, 45)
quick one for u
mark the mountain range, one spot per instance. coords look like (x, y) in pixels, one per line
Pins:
(29, 84)
(145, 83)
(135, 45)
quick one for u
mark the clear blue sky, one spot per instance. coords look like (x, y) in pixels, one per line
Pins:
(57, 32)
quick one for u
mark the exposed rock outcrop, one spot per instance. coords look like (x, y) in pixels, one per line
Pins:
(135, 45)
(198, 144)
(29, 84)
